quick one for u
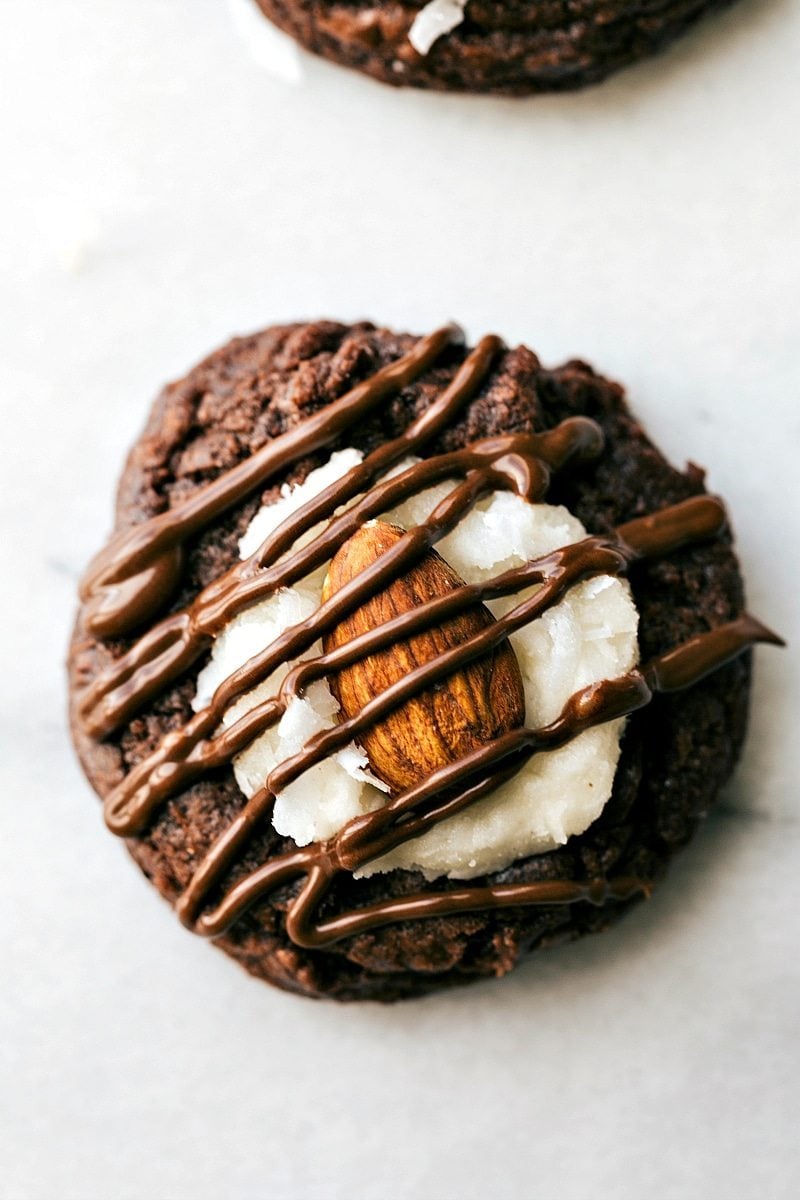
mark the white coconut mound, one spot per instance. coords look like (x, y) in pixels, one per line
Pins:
(589, 636)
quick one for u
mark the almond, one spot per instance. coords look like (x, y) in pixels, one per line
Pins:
(456, 716)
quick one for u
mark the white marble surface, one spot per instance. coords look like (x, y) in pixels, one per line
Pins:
(162, 191)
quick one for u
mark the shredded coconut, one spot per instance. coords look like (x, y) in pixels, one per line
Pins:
(434, 21)
(589, 636)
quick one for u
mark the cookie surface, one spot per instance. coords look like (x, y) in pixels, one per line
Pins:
(677, 752)
(512, 47)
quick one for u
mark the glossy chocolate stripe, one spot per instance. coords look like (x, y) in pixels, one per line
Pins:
(182, 760)
(150, 783)
(506, 461)
(592, 706)
(521, 462)
(460, 900)
(132, 554)
(137, 571)
(687, 664)
(113, 697)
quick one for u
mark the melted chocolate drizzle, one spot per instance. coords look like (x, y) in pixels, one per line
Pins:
(135, 575)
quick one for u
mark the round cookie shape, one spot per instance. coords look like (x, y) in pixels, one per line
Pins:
(259, 416)
(508, 47)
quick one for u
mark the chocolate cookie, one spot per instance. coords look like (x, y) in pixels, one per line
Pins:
(290, 427)
(511, 47)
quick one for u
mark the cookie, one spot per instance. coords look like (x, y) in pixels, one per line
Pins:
(405, 659)
(511, 47)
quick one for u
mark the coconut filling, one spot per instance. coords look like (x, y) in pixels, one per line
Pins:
(589, 636)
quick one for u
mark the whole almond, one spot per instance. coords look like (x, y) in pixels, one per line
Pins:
(440, 725)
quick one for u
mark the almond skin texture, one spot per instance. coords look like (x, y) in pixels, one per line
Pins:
(440, 725)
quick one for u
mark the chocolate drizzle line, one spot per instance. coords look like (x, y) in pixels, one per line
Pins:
(136, 574)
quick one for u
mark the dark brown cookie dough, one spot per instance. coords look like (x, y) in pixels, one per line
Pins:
(677, 752)
(511, 47)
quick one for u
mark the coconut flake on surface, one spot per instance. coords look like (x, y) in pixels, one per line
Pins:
(589, 636)
(434, 21)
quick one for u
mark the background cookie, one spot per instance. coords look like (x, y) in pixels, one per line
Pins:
(513, 47)
(677, 752)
